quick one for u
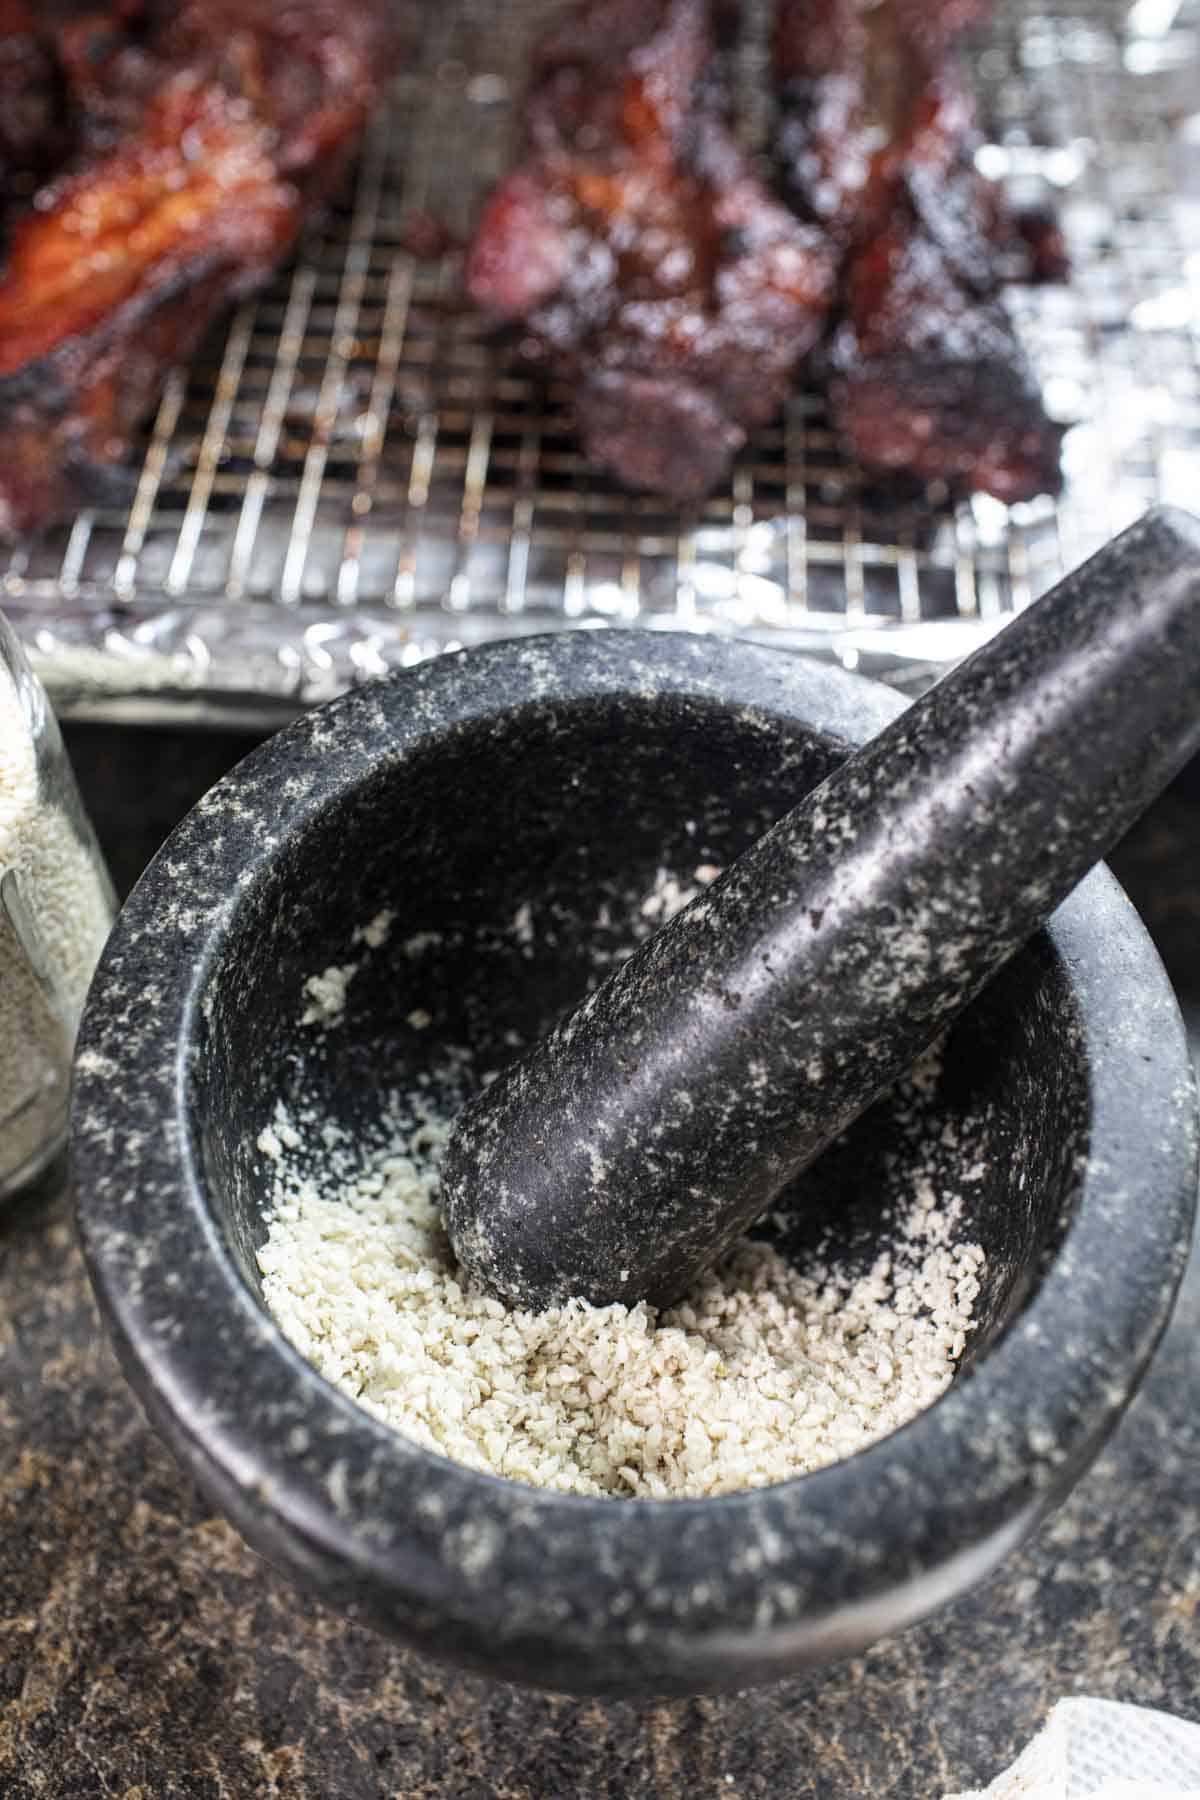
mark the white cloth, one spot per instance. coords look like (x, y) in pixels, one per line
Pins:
(1101, 1750)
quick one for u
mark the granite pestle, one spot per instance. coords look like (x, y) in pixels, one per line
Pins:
(620, 1156)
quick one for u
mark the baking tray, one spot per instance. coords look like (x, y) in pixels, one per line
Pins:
(352, 476)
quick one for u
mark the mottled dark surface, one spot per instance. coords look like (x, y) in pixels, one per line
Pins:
(145, 1652)
(434, 798)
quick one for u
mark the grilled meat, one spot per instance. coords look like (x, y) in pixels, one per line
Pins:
(645, 262)
(206, 133)
(877, 141)
(926, 375)
(867, 91)
(642, 257)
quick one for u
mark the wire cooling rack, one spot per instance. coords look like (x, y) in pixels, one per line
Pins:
(352, 475)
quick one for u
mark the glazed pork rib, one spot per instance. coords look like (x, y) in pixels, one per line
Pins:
(205, 134)
(876, 139)
(646, 263)
(643, 259)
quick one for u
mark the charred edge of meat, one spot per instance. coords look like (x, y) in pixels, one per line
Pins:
(668, 437)
(649, 266)
(928, 377)
(246, 126)
(876, 140)
(65, 418)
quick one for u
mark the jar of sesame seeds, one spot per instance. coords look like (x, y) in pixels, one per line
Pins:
(56, 909)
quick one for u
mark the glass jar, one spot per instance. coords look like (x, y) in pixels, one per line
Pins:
(56, 908)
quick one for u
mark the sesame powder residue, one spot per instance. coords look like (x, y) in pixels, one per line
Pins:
(325, 994)
(763, 1372)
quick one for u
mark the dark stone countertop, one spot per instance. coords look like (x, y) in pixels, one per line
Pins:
(146, 1653)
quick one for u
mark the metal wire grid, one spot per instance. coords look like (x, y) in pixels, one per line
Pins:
(352, 439)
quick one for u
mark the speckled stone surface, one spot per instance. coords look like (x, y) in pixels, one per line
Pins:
(530, 775)
(145, 1651)
(628, 1149)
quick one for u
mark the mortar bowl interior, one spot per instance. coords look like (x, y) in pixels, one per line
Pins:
(514, 812)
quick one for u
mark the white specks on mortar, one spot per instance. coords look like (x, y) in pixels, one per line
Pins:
(327, 994)
(337, 1484)
(474, 1547)
(377, 931)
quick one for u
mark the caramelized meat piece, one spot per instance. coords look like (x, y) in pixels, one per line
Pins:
(927, 377)
(110, 67)
(64, 78)
(230, 120)
(867, 91)
(876, 136)
(643, 258)
(116, 280)
(645, 263)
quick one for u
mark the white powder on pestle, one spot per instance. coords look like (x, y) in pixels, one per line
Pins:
(763, 1372)
(64, 893)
